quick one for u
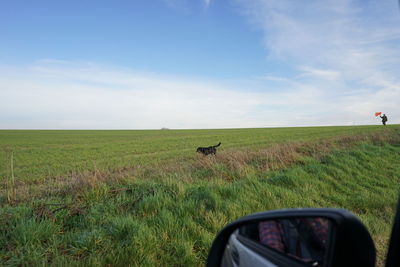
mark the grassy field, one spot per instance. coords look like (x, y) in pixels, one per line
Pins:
(39, 155)
(145, 198)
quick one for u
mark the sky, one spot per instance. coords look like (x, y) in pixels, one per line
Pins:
(190, 64)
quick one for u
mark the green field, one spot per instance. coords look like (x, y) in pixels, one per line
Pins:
(39, 155)
(145, 198)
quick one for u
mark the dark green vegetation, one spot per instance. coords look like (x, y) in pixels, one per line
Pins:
(143, 198)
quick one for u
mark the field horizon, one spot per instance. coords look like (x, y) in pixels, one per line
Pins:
(183, 129)
(145, 197)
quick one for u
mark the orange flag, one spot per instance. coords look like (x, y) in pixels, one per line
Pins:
(377, 114)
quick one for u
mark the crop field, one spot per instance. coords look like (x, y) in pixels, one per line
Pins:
(39, 155)
(146, 198)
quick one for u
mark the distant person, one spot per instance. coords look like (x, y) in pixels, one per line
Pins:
(384, 119)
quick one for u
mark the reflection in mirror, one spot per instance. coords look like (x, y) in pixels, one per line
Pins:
(305, 240)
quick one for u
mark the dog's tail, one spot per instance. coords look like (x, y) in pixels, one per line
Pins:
(218, 144)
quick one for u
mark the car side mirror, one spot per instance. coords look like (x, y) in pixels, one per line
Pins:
(294, 237)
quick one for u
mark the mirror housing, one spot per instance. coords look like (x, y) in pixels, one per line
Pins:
(351, 244)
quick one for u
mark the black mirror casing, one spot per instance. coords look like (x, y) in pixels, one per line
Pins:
(393, 255)
(352, 244)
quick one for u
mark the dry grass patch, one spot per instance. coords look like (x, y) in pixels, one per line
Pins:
(228, 165)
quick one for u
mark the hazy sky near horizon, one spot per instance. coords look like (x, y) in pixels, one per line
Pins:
(198, 63)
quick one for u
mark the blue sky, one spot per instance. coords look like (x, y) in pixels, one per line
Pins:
(197, 63)
(177, 37)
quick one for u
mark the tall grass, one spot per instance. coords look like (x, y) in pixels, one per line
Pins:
(11, 188)
(169, 215)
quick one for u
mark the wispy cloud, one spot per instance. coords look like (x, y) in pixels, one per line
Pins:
(185, 5)
(65, 95)
(344, 62)
(80, 95)
(324, 74)
(347, 50)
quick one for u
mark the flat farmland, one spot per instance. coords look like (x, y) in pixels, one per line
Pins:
(38, 155)
(146, 198)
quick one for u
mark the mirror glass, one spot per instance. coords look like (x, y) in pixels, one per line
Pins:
(304, 240)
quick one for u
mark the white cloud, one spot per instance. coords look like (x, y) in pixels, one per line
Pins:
(346, 50)
(329, 75)
(65, 95)
(76, 95)
(344, 57)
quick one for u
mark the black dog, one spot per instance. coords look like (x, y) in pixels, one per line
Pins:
(208, 150)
